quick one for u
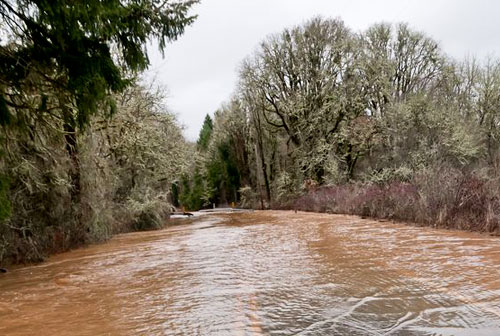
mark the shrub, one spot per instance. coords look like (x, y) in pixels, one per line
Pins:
(248, 197)
(441, 197)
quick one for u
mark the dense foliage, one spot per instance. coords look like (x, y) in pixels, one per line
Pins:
(86, 148)
(320, 105)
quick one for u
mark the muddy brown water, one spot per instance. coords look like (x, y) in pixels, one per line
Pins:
(263, 273)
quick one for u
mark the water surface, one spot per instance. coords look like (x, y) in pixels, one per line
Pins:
(263, 273)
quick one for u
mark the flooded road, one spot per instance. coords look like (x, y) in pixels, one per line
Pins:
(263, 273)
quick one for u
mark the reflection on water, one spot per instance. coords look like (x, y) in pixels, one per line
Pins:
(276, 273)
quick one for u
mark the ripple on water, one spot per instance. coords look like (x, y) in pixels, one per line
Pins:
(276, 273)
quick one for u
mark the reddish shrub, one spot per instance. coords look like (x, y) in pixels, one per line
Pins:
(440, 198)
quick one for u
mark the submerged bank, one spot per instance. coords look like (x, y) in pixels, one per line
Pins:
(465, 203)
(57, 246)
(265, 272)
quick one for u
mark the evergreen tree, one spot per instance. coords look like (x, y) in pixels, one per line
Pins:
(205, 133)
(71, 44)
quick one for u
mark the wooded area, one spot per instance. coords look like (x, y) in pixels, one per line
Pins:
(379, 123)
(87, 148)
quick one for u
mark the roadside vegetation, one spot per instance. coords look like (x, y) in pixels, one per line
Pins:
(379, 123)
(87, 149)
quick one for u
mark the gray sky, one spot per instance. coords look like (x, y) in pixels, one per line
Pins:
(200, 69)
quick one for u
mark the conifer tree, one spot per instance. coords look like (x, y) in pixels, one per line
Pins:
(205, 133)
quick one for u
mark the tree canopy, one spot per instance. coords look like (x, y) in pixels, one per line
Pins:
(86, 148)
(84, 50)
(319, 104)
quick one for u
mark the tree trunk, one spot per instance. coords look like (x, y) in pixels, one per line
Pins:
(71, 147)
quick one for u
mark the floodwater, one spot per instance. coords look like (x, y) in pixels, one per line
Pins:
(263, 273)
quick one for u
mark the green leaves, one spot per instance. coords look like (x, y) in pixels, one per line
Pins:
(68, 44)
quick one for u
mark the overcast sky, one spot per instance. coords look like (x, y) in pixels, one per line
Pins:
(200, 69)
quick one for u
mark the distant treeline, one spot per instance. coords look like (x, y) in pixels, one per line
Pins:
(379, 123)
